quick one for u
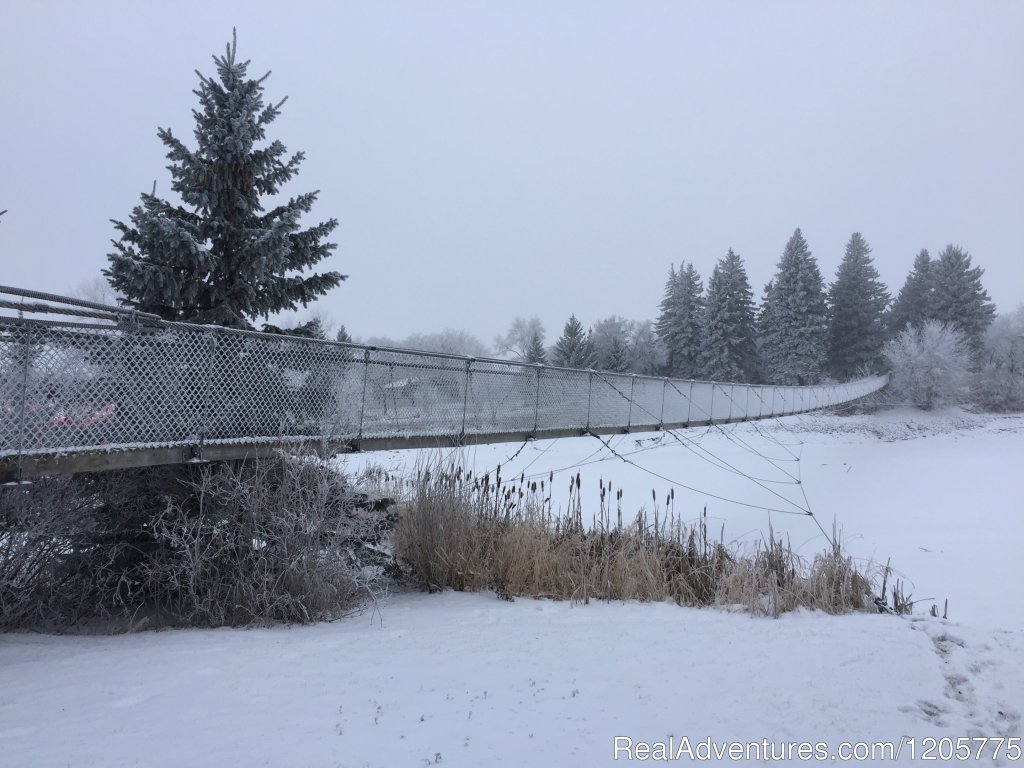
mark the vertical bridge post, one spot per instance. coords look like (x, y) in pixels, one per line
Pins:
(465, 400)
(362, 402)
(26, 359)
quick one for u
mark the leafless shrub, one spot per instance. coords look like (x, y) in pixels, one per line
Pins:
(930, 365)
(999, 382)
(37, 535)
(275, 539)
(266, 540)
(471, 533)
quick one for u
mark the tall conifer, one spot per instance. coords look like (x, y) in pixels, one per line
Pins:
(795, 328)
(959, 298)
(220, 256)
(728, 351)
(913, 304)
(678, 325)
(573, 349)
(857, 301)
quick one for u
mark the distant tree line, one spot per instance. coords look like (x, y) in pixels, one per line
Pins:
(802, 332)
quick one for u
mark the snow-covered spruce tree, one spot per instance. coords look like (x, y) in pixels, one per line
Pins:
(913, 304)
(535, 352)
(220, 256)
(728, 351)
(678, 325)
(573, 350)
(763, 322)
(665, 325)
(959, 298)
(930, 365)
(857, 302)
(795, 331)
(617, 358)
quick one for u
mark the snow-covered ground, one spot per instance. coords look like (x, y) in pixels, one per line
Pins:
(470, 680)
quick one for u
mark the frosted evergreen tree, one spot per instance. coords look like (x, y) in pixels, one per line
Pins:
(857, 301)
(959, 299)
(763, 320)
(220, 256)
(573, 349)
(795, 318)
(535, 350)
(728, 351)
(679, 324)
(666, 321)
(617, 358)
(913, 304)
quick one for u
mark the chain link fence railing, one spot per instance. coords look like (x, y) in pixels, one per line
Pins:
(138, 384)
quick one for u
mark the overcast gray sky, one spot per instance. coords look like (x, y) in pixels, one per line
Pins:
(487, 160)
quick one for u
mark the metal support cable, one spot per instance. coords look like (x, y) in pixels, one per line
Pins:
(695, 490)
(740, 472)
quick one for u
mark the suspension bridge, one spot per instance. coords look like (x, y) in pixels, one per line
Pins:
(87, 387)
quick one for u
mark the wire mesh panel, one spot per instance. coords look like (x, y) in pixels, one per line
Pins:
(564, 399)
(827, 397)
(721, 403)
(648, 398)
(610, 400)
(702, 399)
(502, 398)
(89, 388)
(785, 403)
(413, 395)
(677, 401)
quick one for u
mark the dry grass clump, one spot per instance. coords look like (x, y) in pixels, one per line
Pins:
(472, 533)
